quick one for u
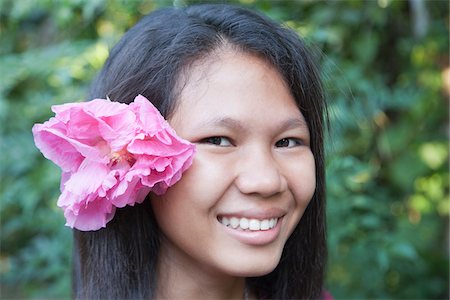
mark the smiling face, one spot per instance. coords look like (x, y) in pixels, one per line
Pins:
(252, 177)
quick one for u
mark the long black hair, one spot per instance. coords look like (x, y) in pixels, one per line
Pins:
(119, 261)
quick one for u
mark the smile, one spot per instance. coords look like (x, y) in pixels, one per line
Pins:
(248, 224)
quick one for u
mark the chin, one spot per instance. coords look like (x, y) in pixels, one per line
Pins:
(254, 267)
(254, 271)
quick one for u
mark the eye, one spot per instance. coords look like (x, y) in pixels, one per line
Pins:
(218, 141)
(288, 143)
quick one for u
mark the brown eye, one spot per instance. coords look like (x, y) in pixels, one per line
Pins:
(288, 143)
(217, 140)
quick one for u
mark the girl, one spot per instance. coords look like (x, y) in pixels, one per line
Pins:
(246, 220)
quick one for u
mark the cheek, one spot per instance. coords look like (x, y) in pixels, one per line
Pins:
(204, 182)
(196, 194)
(172, 206)
(303, 181)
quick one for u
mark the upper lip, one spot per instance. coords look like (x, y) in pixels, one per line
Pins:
(255, 213)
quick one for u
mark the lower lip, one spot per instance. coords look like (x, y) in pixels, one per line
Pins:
(257, 237)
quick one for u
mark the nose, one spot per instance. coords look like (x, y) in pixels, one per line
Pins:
(259, 173)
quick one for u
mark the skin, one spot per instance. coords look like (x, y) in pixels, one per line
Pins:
(253, 158)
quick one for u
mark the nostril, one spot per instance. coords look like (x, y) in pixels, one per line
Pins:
(262, 182)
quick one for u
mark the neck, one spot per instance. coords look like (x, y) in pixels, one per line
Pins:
(179, 278)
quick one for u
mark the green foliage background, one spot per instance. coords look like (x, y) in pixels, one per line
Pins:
(388, 179)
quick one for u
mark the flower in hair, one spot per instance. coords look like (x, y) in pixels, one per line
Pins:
(111, 155)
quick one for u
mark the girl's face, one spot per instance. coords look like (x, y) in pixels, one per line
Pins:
(252, 177)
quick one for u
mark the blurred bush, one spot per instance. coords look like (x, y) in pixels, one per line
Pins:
(386, 69)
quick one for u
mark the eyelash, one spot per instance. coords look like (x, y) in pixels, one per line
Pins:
(297, 142)
(218, 141)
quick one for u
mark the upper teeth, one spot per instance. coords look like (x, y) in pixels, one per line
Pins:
(252, 224)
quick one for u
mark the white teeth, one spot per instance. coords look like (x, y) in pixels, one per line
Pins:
(251, 224)
(272, 222)
(254, 224)
(234, 222)
(265, 224)
(243, 223)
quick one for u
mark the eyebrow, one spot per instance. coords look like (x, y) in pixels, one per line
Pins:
(291, 123)
(294, 123)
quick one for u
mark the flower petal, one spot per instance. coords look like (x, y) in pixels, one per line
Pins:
(112, 155)
(56, 148)
(87, 179)
(90, 217)
(149, 117)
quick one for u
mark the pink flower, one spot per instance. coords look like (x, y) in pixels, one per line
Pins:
(111, 155)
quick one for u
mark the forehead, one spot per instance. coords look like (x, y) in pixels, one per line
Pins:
(234, 85)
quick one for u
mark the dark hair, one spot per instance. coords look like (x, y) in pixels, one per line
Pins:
(119, 261)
